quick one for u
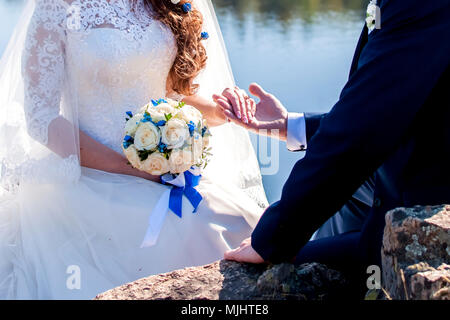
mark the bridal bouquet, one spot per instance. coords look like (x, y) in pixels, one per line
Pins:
(169, 139)
(166, 136)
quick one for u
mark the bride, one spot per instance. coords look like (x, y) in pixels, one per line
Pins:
(73, 213)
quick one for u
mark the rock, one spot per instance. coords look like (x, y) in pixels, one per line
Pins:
(227, 280)
(416, 253)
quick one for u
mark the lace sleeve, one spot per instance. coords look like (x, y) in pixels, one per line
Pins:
(43, 67)
(39, 141)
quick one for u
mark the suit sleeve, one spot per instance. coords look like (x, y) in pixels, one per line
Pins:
(397, 70)
(312, 122)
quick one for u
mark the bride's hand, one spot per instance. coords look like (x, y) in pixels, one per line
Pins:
(242, 106)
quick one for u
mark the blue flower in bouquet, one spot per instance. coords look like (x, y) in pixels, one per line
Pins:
(187, 7)
(162, 147)
(127, 141)
(205, 130)
(157, 102)
(147, 118)
(191, 126)
(160, 123)
(129, 115)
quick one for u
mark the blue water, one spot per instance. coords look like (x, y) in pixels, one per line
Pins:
(299, 50)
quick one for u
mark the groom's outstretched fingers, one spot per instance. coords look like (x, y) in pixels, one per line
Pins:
(256, 90)
(245, 253)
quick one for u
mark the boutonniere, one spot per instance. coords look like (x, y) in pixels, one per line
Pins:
(373, 16)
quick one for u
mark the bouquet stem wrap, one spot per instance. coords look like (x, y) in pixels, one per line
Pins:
(183, 184)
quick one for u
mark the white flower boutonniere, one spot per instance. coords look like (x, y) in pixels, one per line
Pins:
(373, 16)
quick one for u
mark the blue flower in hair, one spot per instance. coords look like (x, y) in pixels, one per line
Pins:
(205, 35)
(187, 7)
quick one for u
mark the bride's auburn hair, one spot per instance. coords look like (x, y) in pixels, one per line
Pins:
(191, 55)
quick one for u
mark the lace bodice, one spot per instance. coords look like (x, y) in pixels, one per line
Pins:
(117, 67)
(115, 55)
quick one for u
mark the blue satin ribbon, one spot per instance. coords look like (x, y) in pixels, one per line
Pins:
(176, 194)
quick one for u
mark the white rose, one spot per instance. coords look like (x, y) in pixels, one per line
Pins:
(132, 156)
(155, 114)
(173, 103)
(175, 1)
(180, 160)
(147, 136)
(189, 113)
(158, 112)
(132, 124)
(174, 133)
(156, 164)
(166, 108)
(197, 147)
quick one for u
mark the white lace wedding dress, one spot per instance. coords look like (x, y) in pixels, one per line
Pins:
(55, 215)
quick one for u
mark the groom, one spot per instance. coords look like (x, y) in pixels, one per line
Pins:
(392, 122)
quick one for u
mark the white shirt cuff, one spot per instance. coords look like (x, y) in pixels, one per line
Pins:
(296, 132)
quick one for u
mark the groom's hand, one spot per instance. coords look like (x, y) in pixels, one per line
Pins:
(270, 116)
(245, 253)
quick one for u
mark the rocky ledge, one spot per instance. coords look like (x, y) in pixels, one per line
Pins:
(416, 253)
(415, 265)
(227, 280)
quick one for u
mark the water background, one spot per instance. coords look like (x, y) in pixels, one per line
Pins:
(299, 50)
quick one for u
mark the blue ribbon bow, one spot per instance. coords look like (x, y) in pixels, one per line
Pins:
(176, 194)
(183, 184)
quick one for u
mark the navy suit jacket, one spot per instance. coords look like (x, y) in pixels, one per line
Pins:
(392, 118)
